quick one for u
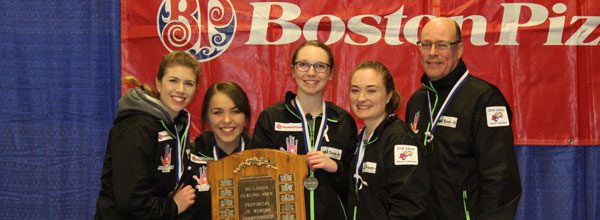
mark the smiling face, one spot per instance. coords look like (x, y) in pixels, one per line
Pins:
(311, 82)
(177, 88)
(226, 120)
(368, 96)
(439, 63)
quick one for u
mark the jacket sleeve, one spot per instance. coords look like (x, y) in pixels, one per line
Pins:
(263, 132)
(132, 152)
(408, 185)
(498, 167)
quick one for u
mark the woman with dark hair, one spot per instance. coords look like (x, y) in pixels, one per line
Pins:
(305, 124)
(143, 166)
(226, 111)
(390, 180)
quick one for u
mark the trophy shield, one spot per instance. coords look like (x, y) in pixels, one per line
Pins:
(258, 184)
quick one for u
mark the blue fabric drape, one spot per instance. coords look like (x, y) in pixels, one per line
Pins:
(60, 81)
(559, 182)
(58, 93)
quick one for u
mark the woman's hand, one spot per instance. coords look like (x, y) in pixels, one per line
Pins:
(184, 198)
(318, 160)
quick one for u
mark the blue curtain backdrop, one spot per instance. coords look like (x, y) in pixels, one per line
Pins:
(58, 93)
(60, 76)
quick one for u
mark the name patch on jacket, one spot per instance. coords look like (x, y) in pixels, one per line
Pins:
(199, 160)
(332, 153)
(406, 155)
(288, 126)
(448, 121)
(164, 136)
(369, 167)
(497, 116)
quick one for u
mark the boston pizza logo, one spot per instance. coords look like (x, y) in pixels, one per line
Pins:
(205, 30)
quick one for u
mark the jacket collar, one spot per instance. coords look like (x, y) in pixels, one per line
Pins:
(207, 139)
(380, 128)
(332, 115)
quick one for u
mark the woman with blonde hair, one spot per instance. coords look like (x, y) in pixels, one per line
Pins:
(143, 166)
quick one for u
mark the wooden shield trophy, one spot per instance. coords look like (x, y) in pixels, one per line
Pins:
(258, 184)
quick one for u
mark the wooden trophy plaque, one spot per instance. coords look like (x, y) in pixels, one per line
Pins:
(259, 184)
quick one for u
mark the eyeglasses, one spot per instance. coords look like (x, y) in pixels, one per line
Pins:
(304, 66)
(442, 45)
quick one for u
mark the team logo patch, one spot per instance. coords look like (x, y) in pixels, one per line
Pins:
(332, 153)
(415, 123)
(497, 116)
(406, 155)
(369, 167)
(165, 160)
(202, 179)
(164, 136)
(448, 121)
(181, 25)
(291, 145)
(288, 126)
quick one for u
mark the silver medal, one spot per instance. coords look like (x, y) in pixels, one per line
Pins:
(311, 183)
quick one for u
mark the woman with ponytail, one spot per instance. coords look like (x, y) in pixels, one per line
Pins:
(142, 176)
(389, 178)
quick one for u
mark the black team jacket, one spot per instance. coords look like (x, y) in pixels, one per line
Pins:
(393, 175)
(281, 121)
(140, 166)
(471, 159)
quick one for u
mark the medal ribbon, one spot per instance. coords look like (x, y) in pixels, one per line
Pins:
(433, 123)
(360, 157)
(312, 144)
(181, 144)
(358, 181)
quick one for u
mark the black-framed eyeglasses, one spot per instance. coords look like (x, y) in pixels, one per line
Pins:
(442, 45)
(304, 66)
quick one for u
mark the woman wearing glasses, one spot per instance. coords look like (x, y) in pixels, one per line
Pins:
(305, 124)
(390, 180)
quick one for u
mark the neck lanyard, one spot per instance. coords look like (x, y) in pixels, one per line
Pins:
(434, 122)
(216, 151)
(181, 144)
(358, 181)
(312, 145)
(359, 159)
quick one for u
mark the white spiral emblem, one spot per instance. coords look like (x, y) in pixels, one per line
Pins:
(177, 33)
(179, 27)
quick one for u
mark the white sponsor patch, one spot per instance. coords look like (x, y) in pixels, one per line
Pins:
(369, 167)
(199, 160)
(496, 116)
(406, 155)
(332, 153)
(164, 136)
(288, 126)
(448, 121)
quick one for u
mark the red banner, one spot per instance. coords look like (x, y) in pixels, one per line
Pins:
(540, 54)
